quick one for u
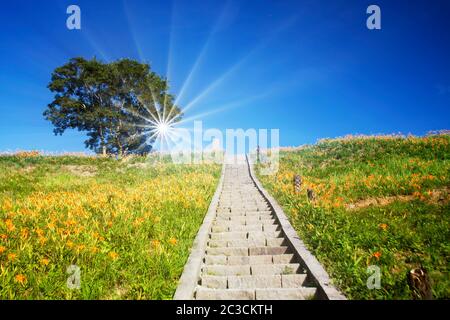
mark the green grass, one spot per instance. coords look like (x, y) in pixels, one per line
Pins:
(379, 201)
(127, 225)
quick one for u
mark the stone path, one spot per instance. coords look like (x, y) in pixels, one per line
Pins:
(247, 249)
(246, 255)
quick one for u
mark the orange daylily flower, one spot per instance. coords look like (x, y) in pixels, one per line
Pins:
(12, 256)
(9, 225)
(113, 255)
(155, 243)
(20, 278)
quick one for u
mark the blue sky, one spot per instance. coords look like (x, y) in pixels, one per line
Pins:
(309, 68)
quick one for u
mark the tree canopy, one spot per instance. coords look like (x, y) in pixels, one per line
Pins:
(111, 102)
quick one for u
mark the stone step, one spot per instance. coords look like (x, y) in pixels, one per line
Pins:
(272, 269)
(249, 212)
(225, 270)
(222, 228)
(283, 258)
(267, 250)
(238, 243)
(235, 218)
(285, 294)
(250, 199)
(245, 235)
(216, 259)
(245, 228)
(254, 282)
(245, 202)
(255, 199)
(247, 269)
(271, 228)
(240, 214)
(252, 260)
(244, 251)
(276, 242)
(255, 227)
(251, 207)
(293, 280)
(264, 234)
(253, 210)
(214, 282)
(242, 260)
(245, 219)
(228, 235)
(243, 212)
(224, 294)
(229, 211)
(265, 281)
(229, 224)
(304, 293)
(252, 242)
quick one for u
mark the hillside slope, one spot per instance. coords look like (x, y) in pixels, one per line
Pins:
(127, 225)
(380, 201)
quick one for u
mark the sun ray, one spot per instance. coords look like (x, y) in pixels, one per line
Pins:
(171, 45)
(202, 53)
(131, 30)
(148, 110)
(136, 114)
(161, 128)
(238, 64)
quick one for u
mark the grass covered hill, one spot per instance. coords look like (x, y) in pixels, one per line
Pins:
(381, 200)
(127, 225)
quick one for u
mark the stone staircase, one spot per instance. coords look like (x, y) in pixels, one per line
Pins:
(247, 255)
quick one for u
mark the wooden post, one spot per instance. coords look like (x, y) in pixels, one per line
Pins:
(311, 195)
(419, 283)
(297, 183)
(257, 154)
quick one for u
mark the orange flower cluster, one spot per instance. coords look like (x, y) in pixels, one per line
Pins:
(377, 255)
(113, 255)
(84, 222)
(20, 278)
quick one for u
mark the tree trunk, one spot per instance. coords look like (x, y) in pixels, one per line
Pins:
(120, 148)
(119, 144)
(102, 141)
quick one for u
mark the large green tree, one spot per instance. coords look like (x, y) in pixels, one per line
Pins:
(111, 102)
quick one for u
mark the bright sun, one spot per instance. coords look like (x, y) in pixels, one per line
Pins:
(162, 128)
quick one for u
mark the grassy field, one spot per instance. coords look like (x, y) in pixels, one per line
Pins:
(380, 201)
(126, 225)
